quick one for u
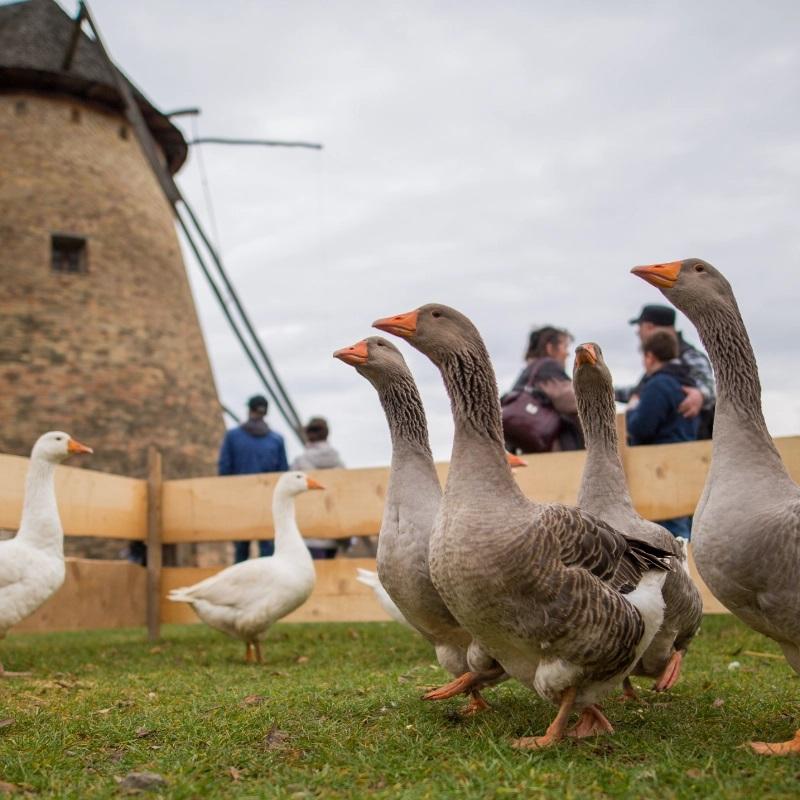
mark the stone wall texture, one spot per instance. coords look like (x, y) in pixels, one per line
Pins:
(114, 356)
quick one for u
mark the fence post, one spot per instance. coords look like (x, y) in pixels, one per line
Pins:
(154, 555)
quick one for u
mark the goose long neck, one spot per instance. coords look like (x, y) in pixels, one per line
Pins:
(40, 525)
(479, 458)
(405, 414)
(739, 420)
(287, 534)
(603, 484)
(412, 461)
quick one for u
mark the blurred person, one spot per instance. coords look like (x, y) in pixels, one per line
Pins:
(545, 376)
(252, 448)
(318, 454)
(653, 415)
(700, 397)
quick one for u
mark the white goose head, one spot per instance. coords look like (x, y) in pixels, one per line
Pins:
(55, 446)
(294, 483)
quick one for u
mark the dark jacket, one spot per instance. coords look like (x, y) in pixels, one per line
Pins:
(570, 435)
(250, 449)
(656, 420)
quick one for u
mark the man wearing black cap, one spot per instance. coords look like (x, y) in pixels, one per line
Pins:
(701, 398)
(249, 449)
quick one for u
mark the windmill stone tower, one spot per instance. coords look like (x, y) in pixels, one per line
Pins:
(98, 330)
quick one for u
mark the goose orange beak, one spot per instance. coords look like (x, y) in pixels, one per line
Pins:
(354, 355)
(515, 461)
(585, 354)
(312, 484)
(663, 276)
(403, 325)
(74, 446)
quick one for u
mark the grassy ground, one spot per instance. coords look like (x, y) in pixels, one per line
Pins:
(335, 713)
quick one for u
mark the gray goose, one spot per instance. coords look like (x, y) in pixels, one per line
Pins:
(604, 493)
(746, 529)
(564, 602)
(412, 501)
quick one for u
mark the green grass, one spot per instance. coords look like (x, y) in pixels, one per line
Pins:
(338, 715)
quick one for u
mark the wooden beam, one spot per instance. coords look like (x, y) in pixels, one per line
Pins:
(154, 548)
(90, 503)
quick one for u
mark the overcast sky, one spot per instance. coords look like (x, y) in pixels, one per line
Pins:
(511, 159)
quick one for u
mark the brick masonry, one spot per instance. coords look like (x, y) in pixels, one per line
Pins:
(114, 356)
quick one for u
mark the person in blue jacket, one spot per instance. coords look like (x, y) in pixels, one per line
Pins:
(249, 449)
(652, 416)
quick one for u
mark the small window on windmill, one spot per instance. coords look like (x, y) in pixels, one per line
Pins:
(69, 253)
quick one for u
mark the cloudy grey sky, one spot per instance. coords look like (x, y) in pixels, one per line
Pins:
(512, 159)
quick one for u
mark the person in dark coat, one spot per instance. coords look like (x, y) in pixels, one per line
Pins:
(547, 353)
(249, 449)
(700, 397)
(653, 416)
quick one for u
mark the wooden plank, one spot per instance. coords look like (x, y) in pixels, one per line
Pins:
(337, 596)
(90, 503)
(666, 480)
(95, 594)
(154, 547)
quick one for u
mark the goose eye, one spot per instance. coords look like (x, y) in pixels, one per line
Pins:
(698, 268)
(436, 314)
(380, 344)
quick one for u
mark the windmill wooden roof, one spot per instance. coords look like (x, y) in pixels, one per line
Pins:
(34, 41)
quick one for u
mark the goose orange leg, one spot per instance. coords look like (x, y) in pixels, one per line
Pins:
(257, 646)
(778, 748)
(628, 691)
(555, 731)
(249, 653)
(475, 705)
(463, 684)
(669, 677)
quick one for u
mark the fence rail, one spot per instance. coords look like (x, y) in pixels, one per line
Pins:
(665, 481)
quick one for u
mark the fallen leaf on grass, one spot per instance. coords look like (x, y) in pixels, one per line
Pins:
(695, 773)
(4, 723)
(155, 650)
(280, 674)
(141, 782)
(8, 788)
(275, 738)
(142, 732)
(104, 710)
(302, 660)
(252, 700)
(235, 774)
(718, 702)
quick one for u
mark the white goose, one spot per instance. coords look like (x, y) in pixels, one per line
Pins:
(246, 599)
(32, 563)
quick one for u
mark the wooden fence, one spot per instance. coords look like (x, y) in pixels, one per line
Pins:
(665, 481)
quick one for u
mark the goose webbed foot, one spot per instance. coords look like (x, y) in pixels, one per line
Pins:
(592, 722)
(555, 731)
(475, 705)
(792, 747)
(669, 677)
(628, 691)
